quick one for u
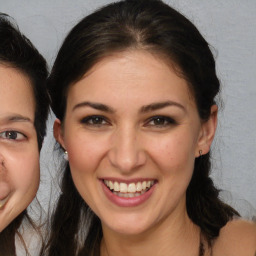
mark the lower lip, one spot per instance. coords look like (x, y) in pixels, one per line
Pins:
(127, 202)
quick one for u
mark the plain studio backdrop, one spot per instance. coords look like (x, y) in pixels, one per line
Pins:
(230, 28)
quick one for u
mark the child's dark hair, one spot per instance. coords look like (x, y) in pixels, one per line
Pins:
(18, 52)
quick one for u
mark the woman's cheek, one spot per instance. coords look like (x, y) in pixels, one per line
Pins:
(87, 151)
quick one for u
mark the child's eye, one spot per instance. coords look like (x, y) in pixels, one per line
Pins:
(12, 135)
(160, 121)
(95, 120)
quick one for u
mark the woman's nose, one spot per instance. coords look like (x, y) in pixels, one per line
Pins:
(127, 153)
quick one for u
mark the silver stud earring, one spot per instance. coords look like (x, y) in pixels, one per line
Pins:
(200, 152)
(65, 155)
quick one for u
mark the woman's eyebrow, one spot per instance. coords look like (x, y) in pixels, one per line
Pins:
(144, 109)
(160, 105)
(95, 105)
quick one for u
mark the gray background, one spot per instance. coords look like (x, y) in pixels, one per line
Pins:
(230, 28)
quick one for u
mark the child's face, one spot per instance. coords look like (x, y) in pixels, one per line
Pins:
(19, 155)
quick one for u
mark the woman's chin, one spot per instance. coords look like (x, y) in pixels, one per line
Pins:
(127, 228)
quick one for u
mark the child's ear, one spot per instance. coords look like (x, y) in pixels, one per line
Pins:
(58, 132)
(207, 133)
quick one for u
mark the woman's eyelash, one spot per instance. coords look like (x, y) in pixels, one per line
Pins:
(157, 121)
(12, 135)
(95, 120)
(160, 121)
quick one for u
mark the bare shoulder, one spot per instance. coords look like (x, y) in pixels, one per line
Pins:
(238, 237)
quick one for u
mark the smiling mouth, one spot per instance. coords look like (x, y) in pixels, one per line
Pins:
(129, 190)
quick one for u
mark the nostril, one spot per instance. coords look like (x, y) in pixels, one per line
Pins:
(127, 162)
(1, 163)
(2, 168)
(1, 159)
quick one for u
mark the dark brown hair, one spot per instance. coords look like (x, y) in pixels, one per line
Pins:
(18, 52)
(155, 27)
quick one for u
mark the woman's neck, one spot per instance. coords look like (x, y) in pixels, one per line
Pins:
(173, 236)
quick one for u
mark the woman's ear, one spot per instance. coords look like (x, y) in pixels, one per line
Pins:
(207, 132)
(58, 132)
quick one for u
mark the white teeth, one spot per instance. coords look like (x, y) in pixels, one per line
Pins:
(131, 188)
(123, 187)
(111, 185)
(116, 186)
(128, 190)
(138, 187)
(131, 195)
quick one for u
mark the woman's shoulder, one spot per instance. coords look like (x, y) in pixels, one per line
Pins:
(237, 237)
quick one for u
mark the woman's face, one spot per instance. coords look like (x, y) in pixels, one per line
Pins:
(19, 156)
(132, 133)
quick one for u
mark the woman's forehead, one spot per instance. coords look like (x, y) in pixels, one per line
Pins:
(131, 77)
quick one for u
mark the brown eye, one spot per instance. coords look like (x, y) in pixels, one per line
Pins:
(12, 135)
(160, 121)
(94, 120)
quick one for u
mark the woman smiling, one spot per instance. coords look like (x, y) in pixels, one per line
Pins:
(133, 88)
